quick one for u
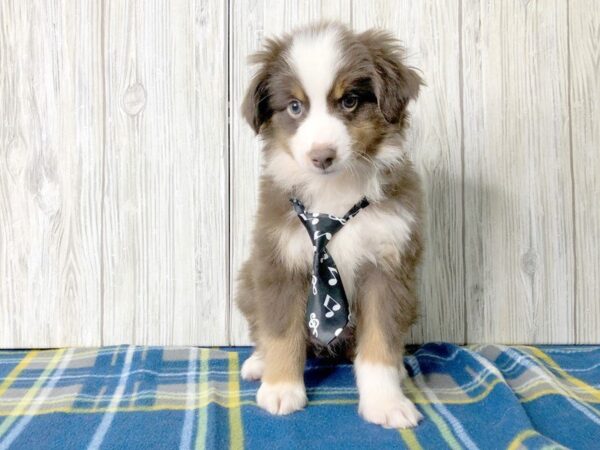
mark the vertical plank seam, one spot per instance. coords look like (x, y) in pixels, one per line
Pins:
(462, 168)
(572, 170)
(103, 168)
(229, 159)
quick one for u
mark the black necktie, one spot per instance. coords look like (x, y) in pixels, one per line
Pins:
(327, 308)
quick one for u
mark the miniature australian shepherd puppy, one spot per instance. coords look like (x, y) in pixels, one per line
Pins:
(330, 106)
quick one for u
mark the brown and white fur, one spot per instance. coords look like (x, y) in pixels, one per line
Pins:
(330, 106)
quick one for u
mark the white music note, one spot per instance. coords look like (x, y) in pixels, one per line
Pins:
(303, 217)
(317, 235)
(333, 280)
(315, 221)
(325, 256)
(313, 324)
(314, 285)
(330, 311)
(337, 219)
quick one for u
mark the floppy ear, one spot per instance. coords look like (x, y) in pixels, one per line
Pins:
(255, 107)
(395, 84)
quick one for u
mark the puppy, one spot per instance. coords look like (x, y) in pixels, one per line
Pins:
(330, 106)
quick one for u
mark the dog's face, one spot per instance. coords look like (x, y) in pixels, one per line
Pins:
(327, 97)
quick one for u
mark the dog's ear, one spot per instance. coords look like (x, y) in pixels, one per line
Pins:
(255, 107)
(395, 84)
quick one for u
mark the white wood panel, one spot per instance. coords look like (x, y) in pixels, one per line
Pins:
(118, 180)
(251, 22)
(584, 40)
(50, 173)
(165, 205)
(430, 32)
(518, 220)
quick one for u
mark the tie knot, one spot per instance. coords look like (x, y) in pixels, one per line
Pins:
(321, 227)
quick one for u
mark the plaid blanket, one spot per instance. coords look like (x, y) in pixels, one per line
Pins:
(153, 397)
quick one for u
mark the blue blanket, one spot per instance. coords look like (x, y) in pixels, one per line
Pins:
(153, 397)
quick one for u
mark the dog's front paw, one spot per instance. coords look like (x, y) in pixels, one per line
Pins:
(395, 411)
(253, 368)
(281, 398)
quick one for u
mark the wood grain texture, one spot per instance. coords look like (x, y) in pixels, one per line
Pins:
(251, 22)
(50, 173)
(517, 182)
(434, 141)
(128, 178)
(165, 204)
(584, 63)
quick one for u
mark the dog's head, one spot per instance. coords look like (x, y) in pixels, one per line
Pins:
(327, 97)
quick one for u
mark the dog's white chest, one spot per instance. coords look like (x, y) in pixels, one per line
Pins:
(371, 236)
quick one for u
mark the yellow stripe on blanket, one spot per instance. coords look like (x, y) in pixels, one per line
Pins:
(12, 376)
(30, 394)
(236, 434)
(203, 389)
(595, 393)
(520, 438)
(439, 422)
(410, 438)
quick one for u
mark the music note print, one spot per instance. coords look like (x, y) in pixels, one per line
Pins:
(337, 219)
(330, 311)
(313, 324)
(327, 312)
(318, 235)
(333, 280)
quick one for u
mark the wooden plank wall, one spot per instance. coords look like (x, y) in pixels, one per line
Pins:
(165, 173)
(128, 178)
(51, 138)
(517, 179)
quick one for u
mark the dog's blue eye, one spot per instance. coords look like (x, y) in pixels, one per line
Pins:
(349, 102)
(294, 108)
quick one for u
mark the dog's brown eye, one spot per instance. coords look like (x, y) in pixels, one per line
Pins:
(294, 108)
(349, 102)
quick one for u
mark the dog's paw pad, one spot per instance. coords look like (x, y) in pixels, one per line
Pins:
(253, 368)
(281, 398)
(398, 412)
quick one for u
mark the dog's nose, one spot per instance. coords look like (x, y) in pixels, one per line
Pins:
(322, 156)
